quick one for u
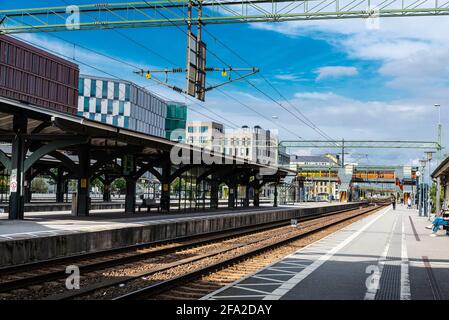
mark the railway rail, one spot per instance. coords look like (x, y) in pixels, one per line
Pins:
(185, 286)
(44, 279)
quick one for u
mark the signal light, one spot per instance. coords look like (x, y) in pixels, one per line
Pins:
(223, 73)
(148, 76)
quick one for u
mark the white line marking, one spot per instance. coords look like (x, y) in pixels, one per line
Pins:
(241, 287)
(405, 281)
(372, 291)
(237, 297)
(285, 272)
(283, 289)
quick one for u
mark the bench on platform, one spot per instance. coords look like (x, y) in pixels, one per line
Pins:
(149, 204)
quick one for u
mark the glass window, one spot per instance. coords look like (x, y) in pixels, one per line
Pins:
(121, 108)
(203, 129)
(98, 106)
(93, 87)
(110, 107)
(126, 123)
(190, 129)
(127, 90)
(81, 86)
(116, 90)
(115, 121)
(86, 104)
(103, 118)
(104, 92)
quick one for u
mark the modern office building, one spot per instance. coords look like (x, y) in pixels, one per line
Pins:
(206, 134)
(175, 120)
(255, 144)
(123, 104)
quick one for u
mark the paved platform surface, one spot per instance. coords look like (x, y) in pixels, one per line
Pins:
(54, 223)
(386, 256)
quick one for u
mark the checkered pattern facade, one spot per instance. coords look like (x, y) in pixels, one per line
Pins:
(122, 104)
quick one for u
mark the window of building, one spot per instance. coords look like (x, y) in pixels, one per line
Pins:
(110, 107)
(121, 108)
(247, 151)
(203, 129)
(86, 104)
(190, 129)
(116, 90)
(93, 88)
(127, 91)
(104, 91)
(98, 106)
(81, 86)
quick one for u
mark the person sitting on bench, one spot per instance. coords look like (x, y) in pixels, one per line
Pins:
(437, 223)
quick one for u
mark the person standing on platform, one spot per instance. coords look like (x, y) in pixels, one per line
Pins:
(409, 203)
(393, 201)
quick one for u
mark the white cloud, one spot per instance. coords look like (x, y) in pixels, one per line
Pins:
(335, 72)
(289, 77)
(317, 95)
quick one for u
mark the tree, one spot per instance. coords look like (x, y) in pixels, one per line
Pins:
(433, 196)
(97, 184)
(39, 185)
(119, 184)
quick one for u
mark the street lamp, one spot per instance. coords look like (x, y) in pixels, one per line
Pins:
(439, 131)
(422, 164)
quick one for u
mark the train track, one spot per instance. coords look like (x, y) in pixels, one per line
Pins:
(215, 275)
(160, 260)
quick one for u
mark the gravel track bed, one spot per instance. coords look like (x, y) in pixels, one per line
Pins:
(116, 291)
(255, 240)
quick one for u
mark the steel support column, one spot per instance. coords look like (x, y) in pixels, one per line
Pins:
(246, 200)
(232, 195)
(130, 198)
(60, 185)
(214, 186)
(27, 187)
(18, 154)
(107, 189)
(256, 200)
(165, 192)
(275, 200)
(83, 199)
(438, 200)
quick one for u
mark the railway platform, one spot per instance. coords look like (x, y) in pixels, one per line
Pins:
(50, 235)
(386, 256)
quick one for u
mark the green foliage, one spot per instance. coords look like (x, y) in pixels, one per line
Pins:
(433, 196)
(97, 184)
(119, 185)
(39, 185)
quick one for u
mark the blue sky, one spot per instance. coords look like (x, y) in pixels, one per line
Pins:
(350, 81)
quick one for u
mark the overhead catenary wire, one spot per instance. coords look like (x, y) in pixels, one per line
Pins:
(228, 122)
(306, 120)
(245, 105)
